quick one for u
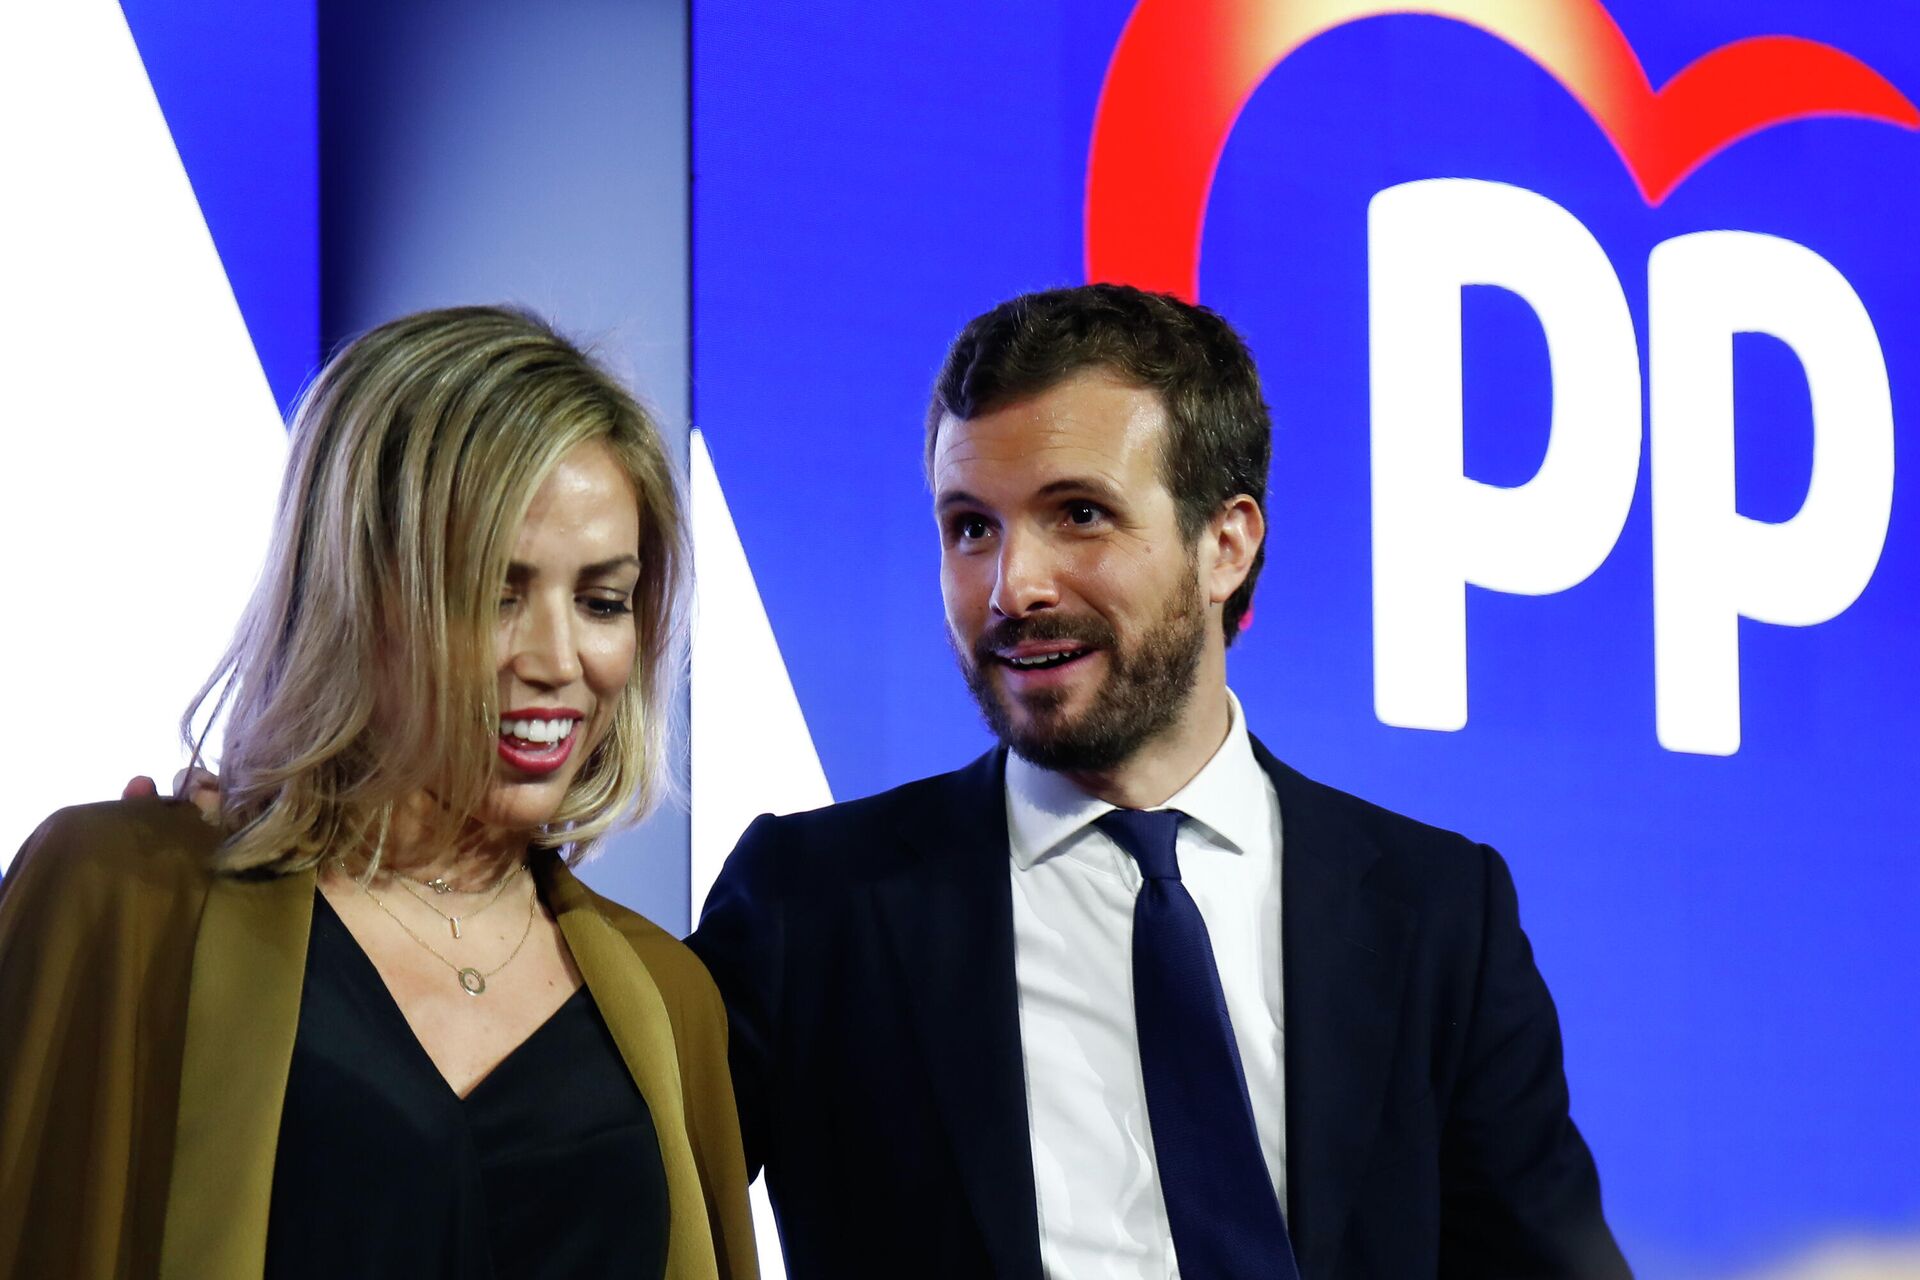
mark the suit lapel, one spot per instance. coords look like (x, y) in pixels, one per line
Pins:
(1344, 951)
(949, 918)
(243, 1010)
(950, 922)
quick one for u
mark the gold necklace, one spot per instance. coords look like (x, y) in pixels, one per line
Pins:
(438, 884)
(472, 981)
(453, 921)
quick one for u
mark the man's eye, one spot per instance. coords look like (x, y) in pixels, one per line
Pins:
(970, 528)
(1083, 512)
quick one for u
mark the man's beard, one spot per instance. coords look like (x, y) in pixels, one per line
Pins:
(1145, 689)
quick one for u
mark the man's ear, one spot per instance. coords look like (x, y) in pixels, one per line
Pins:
(1228, 545)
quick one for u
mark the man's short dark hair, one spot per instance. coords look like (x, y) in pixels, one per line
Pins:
(1219, 439)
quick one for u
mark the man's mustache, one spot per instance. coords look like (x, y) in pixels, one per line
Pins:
(1095, 633)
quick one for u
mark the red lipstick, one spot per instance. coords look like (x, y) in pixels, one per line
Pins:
(529, 756)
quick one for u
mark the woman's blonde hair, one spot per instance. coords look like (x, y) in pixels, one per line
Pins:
(363, 670)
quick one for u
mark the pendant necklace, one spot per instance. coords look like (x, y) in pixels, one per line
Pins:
(472, 981)
(440, 886)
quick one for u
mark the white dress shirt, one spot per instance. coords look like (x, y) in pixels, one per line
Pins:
(1100, 1208)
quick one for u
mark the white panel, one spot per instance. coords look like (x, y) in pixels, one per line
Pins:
(139, 441)
(751, 752)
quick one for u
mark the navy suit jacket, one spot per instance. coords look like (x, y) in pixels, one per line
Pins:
(865, 952)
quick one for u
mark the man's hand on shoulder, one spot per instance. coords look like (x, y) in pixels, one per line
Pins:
(197, 785)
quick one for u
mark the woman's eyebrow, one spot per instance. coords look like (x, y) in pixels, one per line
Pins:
(603, 567)
(520, 571)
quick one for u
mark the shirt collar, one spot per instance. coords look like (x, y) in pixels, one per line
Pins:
(1045, 810)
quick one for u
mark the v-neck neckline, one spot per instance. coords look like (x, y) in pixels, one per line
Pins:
(371, 975)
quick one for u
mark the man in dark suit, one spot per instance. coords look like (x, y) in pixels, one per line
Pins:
(1128, 994)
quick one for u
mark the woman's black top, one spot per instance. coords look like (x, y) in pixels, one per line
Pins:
(549, 1167)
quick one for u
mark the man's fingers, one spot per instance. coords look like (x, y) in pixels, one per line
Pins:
(139, 788)
(199, 786)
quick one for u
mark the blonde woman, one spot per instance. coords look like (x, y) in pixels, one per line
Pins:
(366, 1022)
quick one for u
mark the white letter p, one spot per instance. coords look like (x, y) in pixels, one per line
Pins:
(1434, 529)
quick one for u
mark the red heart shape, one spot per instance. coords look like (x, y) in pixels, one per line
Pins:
(1184, 69)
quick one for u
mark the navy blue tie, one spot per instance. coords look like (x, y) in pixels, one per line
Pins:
(1225, 1217)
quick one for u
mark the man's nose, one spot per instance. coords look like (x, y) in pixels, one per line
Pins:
(1025, 581)
(545, 648)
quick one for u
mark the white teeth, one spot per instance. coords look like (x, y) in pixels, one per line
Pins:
(1045, 659)
(542, 731)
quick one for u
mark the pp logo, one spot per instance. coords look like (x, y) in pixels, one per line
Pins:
(1180, 75)
(1435, 530)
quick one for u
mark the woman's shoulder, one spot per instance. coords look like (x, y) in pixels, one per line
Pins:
(145, 848)
(673, 967)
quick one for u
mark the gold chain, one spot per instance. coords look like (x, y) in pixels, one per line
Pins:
(472, 981)
(453, 921)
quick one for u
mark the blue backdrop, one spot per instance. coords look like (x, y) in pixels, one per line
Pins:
(1730, 939)
(239, 86)
(469, 154)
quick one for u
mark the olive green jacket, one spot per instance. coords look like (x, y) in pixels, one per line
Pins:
(147, 1017)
